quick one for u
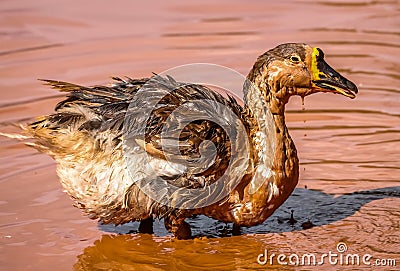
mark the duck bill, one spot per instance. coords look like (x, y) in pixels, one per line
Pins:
(326, 79)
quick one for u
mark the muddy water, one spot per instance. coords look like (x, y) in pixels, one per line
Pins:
(349, 149)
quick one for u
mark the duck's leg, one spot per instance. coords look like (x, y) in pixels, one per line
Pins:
(178, 226)
(236, 230)
(146, 225)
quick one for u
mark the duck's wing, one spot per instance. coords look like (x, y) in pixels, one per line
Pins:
(193, 135)
(198, 141)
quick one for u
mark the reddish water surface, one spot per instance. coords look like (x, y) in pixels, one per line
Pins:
(349, 149)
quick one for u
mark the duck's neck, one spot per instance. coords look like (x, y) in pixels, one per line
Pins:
(267, 109)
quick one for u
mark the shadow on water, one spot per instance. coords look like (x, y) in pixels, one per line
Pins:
(310, 208)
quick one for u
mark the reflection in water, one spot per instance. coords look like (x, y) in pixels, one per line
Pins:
(126, 252)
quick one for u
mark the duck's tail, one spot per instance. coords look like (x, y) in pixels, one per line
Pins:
(33, 135)
(15, 136)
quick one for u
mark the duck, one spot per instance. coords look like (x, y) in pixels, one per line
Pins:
(114, 163)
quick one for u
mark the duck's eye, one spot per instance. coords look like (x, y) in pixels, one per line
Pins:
(295, 59)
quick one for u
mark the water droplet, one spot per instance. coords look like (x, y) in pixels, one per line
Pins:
(302, 103)
(303, 106)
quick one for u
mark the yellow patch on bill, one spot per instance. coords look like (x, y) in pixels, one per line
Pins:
(314, 68)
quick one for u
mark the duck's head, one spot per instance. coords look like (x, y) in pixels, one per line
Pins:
(297, 69)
